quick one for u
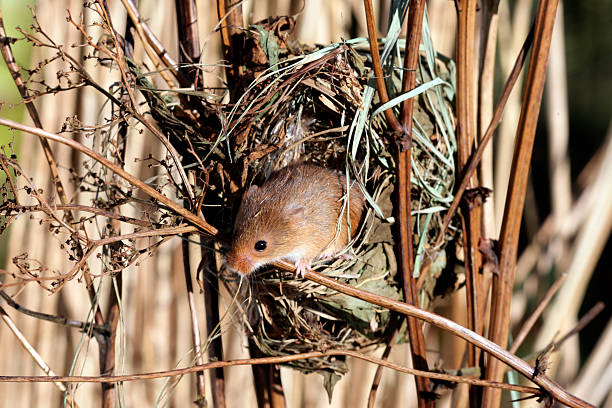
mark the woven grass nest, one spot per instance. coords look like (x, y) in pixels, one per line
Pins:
(316, 104)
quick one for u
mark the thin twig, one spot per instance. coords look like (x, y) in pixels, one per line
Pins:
(270, 360)
(498, 352)
(582, 323)
(535, 315)
(7, 54)
(85, 327)
(132, 108)
(150, 191)
(37, 357)
(21, 209)
(9, 59)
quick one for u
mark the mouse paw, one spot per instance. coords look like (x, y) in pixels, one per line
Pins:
(301, 267)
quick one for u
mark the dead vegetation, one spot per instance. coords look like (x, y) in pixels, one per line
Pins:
(164, 154)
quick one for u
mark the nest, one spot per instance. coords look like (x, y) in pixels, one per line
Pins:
(316, 105)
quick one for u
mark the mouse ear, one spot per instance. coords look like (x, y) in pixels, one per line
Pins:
(296, 213)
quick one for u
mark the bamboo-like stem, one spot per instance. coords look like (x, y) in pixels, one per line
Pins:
(497, 115)
(404, 158)
(215, 346)
(153, 47)
(488, 43)
(503, 282)
(557, 123)
(588, 245)
(466, 127)
(189, 43)
(230, 17)
(514, 21)
(488, 47)
(195, 327)
(403, 141)
(377, 68)
(599, 358)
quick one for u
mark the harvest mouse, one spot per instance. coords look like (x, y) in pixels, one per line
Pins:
(297, 215)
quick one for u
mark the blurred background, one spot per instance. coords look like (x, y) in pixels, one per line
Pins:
(567, 220)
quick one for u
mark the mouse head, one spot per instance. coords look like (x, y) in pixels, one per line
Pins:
(265, 231)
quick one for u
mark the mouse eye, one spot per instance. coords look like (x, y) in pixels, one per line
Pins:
(260, 246)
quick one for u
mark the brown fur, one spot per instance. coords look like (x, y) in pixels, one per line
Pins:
(296, 212)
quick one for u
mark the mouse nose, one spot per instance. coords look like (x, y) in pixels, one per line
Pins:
(241, 264)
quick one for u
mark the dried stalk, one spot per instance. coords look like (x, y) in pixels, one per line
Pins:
(503, 283)
(497, 115)
(215, 346)
(378, 73)
(594, 368)
(15, 209)
(488, 47)
(195, 327)
(404, 146)
(152, 46)
(466, 131)
(107, 345)
(403, 140)
(9, 59)
(230, 18)
(189, 43)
